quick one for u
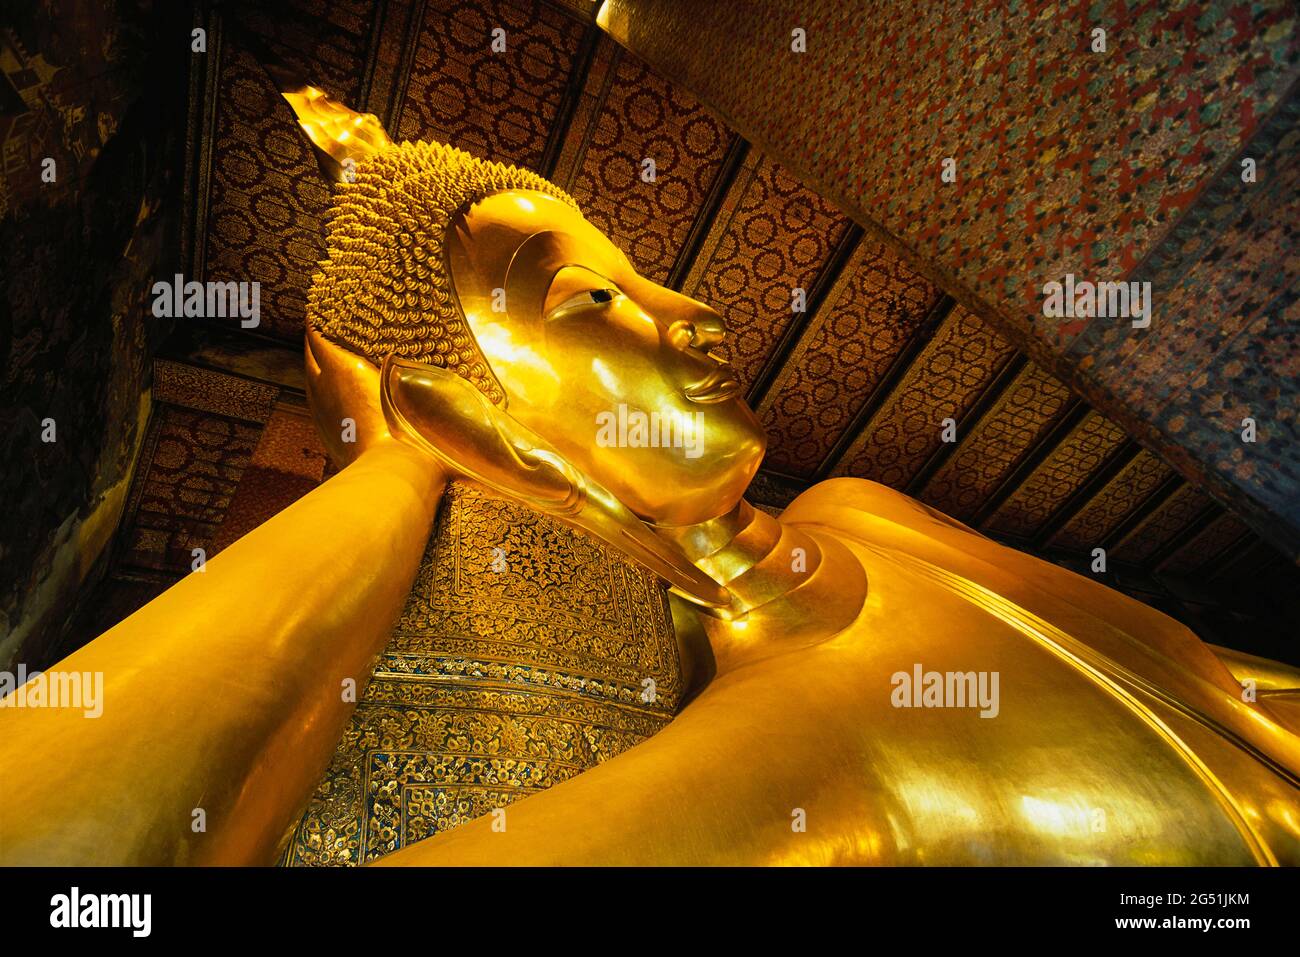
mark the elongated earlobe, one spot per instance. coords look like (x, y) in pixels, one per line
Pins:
(448, 417)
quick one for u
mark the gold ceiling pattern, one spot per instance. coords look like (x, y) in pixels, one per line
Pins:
(957, 365)
(642, 119)
(1080, 454)
(877, 307)
(262, 182)
(1020, 419)
(1134, 484)
(860, 383)
(499, 108)
(1180, 511)
(1223, 533)
(770, 236)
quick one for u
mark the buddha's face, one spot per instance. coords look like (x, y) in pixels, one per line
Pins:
(613, 369)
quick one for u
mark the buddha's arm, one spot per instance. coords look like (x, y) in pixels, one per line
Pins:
(720, 785)
(224, 698)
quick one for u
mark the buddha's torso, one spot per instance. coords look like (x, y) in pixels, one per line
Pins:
(1115, 737)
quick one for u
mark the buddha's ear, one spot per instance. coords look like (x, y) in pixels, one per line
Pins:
(448, 417)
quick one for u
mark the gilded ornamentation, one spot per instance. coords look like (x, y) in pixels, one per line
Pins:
(498, 105)
(525, 656)
(193, 462)
(206, 390)
(1221, 534)
(384, 290)
(268, 199)
(640, 116)
(1175, 513)
(1122, 494)
(771, 236)
(518, 662)
(959, 362)
(876, 307)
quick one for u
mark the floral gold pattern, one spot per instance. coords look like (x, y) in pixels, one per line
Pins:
(521, 660)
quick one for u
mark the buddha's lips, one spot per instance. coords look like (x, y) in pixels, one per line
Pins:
(720, 384)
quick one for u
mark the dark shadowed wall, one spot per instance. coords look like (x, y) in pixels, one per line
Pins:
(98, 88)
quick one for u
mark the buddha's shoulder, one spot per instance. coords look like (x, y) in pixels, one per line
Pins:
(846, 502)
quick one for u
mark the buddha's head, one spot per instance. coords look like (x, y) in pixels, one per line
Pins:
(492, 273)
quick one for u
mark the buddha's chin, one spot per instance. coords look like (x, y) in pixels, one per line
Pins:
(679, 499)
(686, 479)
(679, 513)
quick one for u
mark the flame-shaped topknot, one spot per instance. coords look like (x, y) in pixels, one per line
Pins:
(343, 136)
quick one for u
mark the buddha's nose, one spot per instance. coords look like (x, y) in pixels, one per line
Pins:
(702, 330)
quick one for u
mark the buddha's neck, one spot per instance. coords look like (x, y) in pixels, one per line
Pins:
(755, 556)
(790, 588)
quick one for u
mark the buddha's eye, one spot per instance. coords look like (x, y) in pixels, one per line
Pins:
(586, 297)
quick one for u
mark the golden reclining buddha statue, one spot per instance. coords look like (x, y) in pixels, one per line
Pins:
(861, 681)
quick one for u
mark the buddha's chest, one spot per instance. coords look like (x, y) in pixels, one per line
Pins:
(971, 734)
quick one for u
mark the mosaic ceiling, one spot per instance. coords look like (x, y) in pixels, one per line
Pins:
(868, 380)
(1146, 141)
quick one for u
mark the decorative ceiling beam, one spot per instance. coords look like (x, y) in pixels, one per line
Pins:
(200, 136)
(1243, 552)
(1082, 496)
(708, 211)
(210, 345)
(992, 393)
(888, 382)
(1188, 532)
(584, 10)
(1144, 511)
(580, 125)
(569, 104)
(939, 193)
(390, 52)
(1074, 414)
(826, 280)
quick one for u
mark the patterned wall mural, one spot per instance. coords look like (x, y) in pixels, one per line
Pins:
(90, 150)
